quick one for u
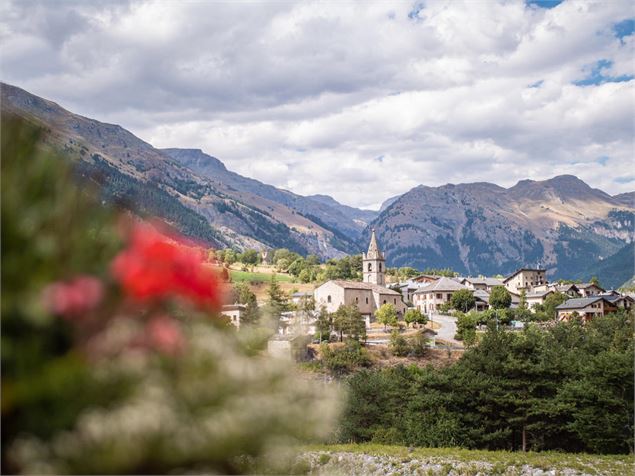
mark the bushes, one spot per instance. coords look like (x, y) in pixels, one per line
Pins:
(415, 346)
(344, 359)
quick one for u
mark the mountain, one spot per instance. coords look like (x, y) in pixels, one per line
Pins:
(481, 228)
(627, 198)
(187, 188)
(347, 222)
(478, 228)
(614, 271)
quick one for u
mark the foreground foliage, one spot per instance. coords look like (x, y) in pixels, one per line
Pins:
(115, 359)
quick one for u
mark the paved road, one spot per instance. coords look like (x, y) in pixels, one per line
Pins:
(447, 330)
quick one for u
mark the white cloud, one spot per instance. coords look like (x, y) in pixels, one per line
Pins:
(354, 100)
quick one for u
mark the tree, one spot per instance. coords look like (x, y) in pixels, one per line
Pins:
(463, 300)
(595, 280)
(324, 324)
(551, 302)
(296, 267)
(522, 303)
(500, 298)
(229, 256)
(347, 320)
(312, 260)
(277, 301)
(398, 344)
(249, 257)
(386, 315)
(466, 328)
(282, 264)
(415, 316)
(244, 295)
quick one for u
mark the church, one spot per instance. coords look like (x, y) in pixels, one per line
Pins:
(368, 295)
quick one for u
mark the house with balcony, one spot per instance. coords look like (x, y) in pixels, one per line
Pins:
(585, 308)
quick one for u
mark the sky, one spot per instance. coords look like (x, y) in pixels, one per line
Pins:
(358, 100)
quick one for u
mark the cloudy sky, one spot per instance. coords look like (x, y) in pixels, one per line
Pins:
(358, 100)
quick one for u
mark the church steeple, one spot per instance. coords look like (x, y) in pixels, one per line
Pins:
(374, 263)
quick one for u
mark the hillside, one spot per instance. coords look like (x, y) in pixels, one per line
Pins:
(614, 271)
(481, 228)
(203, 200)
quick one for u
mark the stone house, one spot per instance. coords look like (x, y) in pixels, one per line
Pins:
(525, 279)
(481, 283)
(431, 297)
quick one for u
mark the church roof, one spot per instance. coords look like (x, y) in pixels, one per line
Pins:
(373, 249)
(367, 286)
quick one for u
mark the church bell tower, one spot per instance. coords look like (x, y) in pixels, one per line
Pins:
(374, 264)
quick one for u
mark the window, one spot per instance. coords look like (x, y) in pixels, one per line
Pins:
(366, 300)
(395, 300)
(380, 267)
(439, 296)
(384, 301)
(356, 300)
(370, 267)
(328, 298)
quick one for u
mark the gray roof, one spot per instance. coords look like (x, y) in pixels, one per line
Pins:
(442, 284)
(536, 294)
(482, 295)
(564, 287)
(485, 281)
(580, 303)
(301, 294)
(367, 286)
(588, 285)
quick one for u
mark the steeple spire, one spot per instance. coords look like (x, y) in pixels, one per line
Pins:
(373, 263)
(373, 248)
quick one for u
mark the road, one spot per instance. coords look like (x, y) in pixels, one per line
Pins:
(447, 330)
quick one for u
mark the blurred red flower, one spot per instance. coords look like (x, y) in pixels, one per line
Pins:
(73, 298)
(164, 335)
(155, 267)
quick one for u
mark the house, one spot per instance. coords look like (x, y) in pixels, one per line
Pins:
(484, 284)
(300, 297)
(482, 299)
(368, 295)
(615, 298)
(406, 289)
(589, 289)
(570, 290)
(430, 298)
(525, 279)
(234, 312)
(536, 297)
(587, 308)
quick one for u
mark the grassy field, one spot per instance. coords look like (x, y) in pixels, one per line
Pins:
(257, 277)
(373, 459)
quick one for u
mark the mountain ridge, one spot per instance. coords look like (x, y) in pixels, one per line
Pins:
(478, 228)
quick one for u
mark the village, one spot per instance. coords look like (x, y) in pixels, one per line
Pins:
(525, 294)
